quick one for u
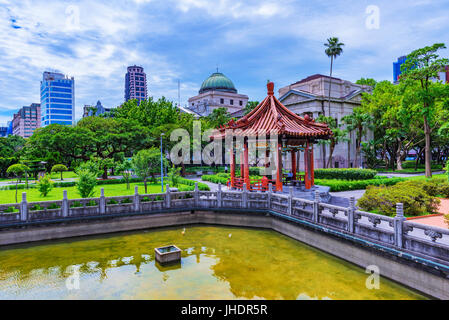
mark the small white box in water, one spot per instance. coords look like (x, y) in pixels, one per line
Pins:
(168, 254)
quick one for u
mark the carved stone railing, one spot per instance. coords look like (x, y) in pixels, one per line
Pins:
(393, 232)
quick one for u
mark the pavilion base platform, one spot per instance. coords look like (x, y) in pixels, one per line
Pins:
(309, 194)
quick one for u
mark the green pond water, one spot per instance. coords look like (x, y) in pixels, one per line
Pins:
(217, 263)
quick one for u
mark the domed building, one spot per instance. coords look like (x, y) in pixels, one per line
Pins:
(217, 91)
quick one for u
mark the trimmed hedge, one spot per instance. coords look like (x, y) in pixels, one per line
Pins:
(345, 174)
(418, 197)
(346, 185)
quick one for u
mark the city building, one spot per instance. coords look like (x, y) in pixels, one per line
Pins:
(27, 120)
(95, 110)
(397, 68)
(443, 75)
(3, 131)
(217, 91)
(136, 84)
(9, 131)
(57, 99)
(310, 96)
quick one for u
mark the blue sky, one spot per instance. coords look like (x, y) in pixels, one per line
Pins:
(250, 41)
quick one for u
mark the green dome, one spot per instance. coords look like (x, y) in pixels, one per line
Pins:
(219, 82)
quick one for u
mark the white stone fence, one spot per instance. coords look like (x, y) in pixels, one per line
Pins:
(393, 232)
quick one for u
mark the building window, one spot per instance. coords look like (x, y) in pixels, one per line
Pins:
(241, 102)
(231, 102)
(221, 100)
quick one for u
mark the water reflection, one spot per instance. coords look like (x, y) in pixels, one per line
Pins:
(250, 264)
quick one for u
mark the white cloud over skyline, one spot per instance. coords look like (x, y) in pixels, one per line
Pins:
(251, 41)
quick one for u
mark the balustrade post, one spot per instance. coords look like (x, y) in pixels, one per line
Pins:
(102, 201)
(196, 195)
(398, 225)
(244, 196)
(65, 204)
(167, 196)
(136, 200)
(351, 212)
(290, 200)
(316, 204)
(269, 194)
(23, 208)
(219, 196)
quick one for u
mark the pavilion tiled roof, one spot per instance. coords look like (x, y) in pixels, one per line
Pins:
(272, 117)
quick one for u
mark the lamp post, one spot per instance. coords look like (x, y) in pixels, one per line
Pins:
(162, 168)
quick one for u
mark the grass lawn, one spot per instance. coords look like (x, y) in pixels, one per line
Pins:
(67, 174)
(110, 190)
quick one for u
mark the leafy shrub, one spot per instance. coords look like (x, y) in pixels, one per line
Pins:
(44, 185)
(411, 193)
(201, 186)
(446, 219)
(345, 174)
(346, 185)
(158, 198)
(112, 201)
(36, 207)
(11, 210)
(86, 183)
(91, 203)
(53, 206)
(76, 204)
(126, 200)
(145, 199)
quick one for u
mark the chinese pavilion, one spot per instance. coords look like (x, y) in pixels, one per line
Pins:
(294, 134)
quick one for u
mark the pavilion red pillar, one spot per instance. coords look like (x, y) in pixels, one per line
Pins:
(246, 166)
(279, 168)
(232, 167)
(294, 164)
(307, 176)
(312, 167)
(242, 164)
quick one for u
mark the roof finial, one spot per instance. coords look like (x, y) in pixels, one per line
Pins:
(270, 88)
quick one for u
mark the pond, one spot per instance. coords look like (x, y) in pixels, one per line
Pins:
(217, 263)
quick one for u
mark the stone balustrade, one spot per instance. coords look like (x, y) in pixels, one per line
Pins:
(394, 233)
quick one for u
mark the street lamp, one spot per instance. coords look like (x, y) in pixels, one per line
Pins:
(162, 167)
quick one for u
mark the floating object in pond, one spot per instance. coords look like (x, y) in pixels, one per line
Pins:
(183, 231)
(167, 254)
(230, 235)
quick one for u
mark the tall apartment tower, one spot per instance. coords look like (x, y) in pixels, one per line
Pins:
(27, 120)
(57, 99)
(397, 68)
(135, 84)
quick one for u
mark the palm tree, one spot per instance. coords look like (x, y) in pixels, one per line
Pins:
(333, 50)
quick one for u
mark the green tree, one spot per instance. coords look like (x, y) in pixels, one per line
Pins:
(44, 185)
(359, 122)
(86, 183)
(146, 163)
(125, 169)
(368, 81)
(59, 168)
(173, 176)
(334, 48)
(338, 136)
(219, 117)
(421, 66)
(18, 170)
(250, 106)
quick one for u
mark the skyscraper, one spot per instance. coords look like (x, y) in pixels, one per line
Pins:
(397, 68)
(27, 120)
(135, 84)
(57, 99)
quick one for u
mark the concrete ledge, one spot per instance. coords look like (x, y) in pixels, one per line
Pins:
(413, 274)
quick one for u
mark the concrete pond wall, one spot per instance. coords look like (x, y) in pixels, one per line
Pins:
(412, 254)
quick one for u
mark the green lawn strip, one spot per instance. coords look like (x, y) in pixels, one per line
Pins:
(111, 190)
